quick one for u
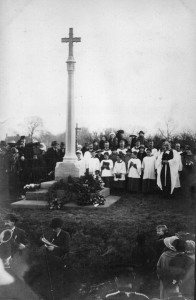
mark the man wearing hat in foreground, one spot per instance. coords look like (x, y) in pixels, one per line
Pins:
(60, 241)
(52, 156)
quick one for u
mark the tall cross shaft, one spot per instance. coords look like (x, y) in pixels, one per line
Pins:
(71, 40)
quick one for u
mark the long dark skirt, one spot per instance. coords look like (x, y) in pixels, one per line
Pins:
(120, 184)
(108, 181)
(166, 188)
(133, 184)
(148, 185)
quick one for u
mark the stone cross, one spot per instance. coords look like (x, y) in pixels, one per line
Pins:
(69, 165)
(71, 40)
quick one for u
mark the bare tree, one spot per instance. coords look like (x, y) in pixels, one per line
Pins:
(34, 124)
(168, 132)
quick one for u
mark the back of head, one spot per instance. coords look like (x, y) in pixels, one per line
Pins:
(56, 223)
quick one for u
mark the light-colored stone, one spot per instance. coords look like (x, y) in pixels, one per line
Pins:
(47, 184)
(105, 192)
(29, 204)
(65, 169)
(37, 195)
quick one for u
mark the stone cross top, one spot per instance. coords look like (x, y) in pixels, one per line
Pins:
(71, 40)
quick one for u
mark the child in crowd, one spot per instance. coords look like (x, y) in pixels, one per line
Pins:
(149, 177)
(97, 177)
(134, 173)
(93, 163)
(107, 170)
(81, 163)
(119, 172)
(162, 232)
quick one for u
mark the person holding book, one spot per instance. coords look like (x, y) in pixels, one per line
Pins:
(119, 172)
(134, 173)
(106, 170)
(58, 246)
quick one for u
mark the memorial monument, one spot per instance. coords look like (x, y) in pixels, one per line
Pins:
(69, 165)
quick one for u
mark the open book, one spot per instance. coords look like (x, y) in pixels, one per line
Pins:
(47, 243)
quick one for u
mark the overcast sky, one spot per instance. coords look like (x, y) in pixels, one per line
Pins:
(135, 65)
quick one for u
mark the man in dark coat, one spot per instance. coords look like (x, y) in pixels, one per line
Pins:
(52, 156)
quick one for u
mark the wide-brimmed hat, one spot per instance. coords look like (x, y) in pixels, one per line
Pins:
(56, 223)
(54, 143)
(112, 133)
(141, 132)
(133, 135)
(12, 143)
(168, 241)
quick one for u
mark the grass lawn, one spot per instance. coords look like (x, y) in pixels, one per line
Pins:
(103, 238)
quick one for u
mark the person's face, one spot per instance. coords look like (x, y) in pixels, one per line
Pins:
(106, 156)
(103, 138)
(22, 158)
(163, 147)
(106, 145)
(151, 144)
(137, 144)
(93, 154)
(141, 150)
(177, 147)
(112, 136)
(160, 231)
(9, 224)
(34, 156)
(22, 145)
(148, 153)
(91, 147)
(122, 144)
(118, 158)
(56, 230)
(166, 146)
(78, 155)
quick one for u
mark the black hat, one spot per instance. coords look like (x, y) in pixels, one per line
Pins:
(99, 150)
(133, 135)
(120, 131)
(56, 223)
(22, 137)
(11, 217)
(54, 143)
(142, 146)
(141, 132)
(62, 144)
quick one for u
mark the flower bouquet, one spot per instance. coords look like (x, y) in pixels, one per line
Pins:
(31, 187)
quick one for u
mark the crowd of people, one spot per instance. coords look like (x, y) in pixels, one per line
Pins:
(134, 164)
(172, 257)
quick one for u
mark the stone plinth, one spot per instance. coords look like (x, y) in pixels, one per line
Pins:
(65, 169)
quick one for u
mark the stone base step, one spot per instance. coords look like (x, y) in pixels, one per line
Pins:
(29, 204)
(105, 192)
(37, 195)
(47, 184)
(109, 201)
